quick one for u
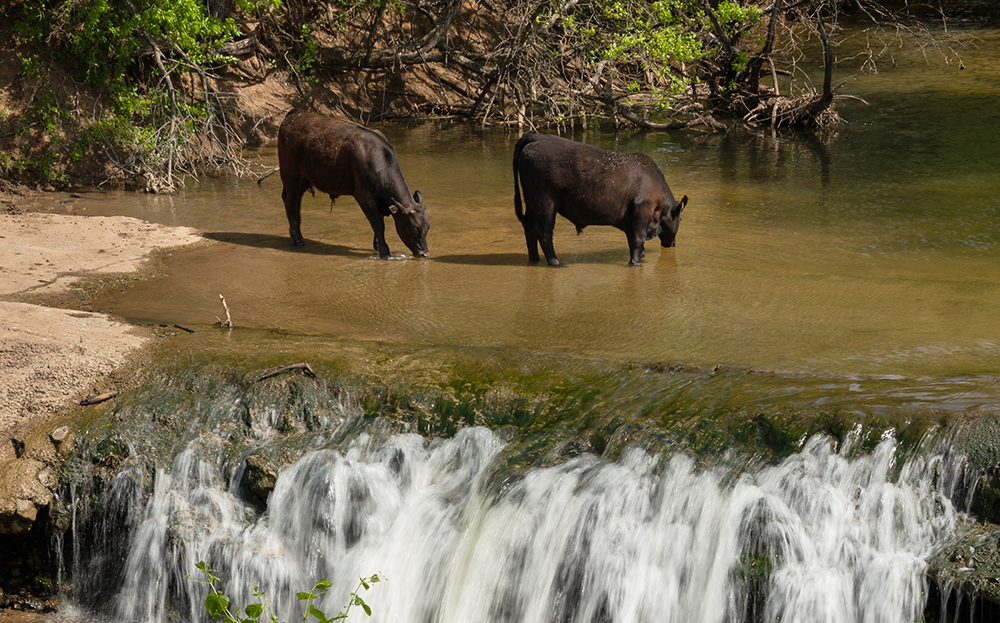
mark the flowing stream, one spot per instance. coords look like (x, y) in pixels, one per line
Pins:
(819, 537)
(857, 275)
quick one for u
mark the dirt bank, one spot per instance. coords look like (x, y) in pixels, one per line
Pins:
(52, 358)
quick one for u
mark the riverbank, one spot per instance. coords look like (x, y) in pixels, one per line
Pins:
(52, 357)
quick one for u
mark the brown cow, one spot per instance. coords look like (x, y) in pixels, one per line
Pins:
(342, 158)
(591, 186)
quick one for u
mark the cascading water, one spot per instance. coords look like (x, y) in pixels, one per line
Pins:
(824, 536)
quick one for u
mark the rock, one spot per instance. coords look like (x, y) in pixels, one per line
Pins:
(62, 439)
(24, 490)
(986, 501)
(979, 440)
(259, 478)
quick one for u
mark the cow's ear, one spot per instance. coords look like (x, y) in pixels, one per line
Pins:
(680, 206)
(418, 197)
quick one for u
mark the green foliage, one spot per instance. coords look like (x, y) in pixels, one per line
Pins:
(31, 68)
(217, 603)
(309, 50)
(101, 39)
(645, 41)
(135, 52)
(733, 15)
(649, 32)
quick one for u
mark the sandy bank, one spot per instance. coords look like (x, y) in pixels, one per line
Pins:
(48, 356)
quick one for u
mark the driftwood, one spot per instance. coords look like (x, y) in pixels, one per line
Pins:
(267, 175)
(282, 370)
(93, 400)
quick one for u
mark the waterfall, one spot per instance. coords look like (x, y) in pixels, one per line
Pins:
(827, 535)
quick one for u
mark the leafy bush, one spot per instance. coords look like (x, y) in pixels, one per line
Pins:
(135, 52)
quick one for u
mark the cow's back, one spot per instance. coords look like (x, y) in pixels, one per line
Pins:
(334, 156)
(588, 185)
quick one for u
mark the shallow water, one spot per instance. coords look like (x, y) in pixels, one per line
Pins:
(873, 253)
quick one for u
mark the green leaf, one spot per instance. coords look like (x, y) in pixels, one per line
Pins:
(318, 614)
(308, 595)
(323, 584)
(361, 602)
(254, 610)
(216, 604)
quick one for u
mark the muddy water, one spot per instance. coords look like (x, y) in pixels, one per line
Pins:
(876, 252)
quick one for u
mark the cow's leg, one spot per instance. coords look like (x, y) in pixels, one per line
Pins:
(637, 249)
(291, 195)
(531, 238)
(369, 207)
(544, 233)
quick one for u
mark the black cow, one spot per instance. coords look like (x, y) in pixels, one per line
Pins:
(342, 158)
(591, 186)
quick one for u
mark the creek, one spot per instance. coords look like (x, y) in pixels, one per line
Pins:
(743, 428)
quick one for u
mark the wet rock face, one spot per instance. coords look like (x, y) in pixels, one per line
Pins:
(979, 441)
(259, 478)
(986, 501)
(28, 479)
(25, 572)
(25, 488)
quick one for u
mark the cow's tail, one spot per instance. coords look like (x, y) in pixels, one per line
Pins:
(524, 140)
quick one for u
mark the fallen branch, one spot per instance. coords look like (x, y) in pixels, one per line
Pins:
(267, 175)
(93, 400)
(282, 370)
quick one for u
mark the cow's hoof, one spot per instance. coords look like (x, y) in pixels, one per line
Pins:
(299, 243)
(553, 262)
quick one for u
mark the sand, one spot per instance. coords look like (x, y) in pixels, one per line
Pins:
(50, 358)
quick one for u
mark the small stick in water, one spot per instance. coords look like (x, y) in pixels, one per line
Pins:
(282, 369)
(229, 321)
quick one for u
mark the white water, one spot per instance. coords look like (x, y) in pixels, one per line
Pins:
(643, 539)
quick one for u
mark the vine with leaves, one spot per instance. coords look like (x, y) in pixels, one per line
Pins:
(220, 607)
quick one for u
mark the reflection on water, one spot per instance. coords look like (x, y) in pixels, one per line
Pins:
(875, 252)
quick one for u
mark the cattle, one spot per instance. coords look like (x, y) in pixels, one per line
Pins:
(591, 186)
(342, 158)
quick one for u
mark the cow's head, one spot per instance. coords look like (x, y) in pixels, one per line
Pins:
(670, 222)
(412, 224)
